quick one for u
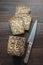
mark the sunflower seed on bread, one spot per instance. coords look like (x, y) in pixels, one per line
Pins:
(22, 9)
(17, 25)
(27, 18)
(27, 21)
(16, 45)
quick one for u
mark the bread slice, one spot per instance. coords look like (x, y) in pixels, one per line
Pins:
(17, 25)
(27, 18)
(16, 45)
(22, 9)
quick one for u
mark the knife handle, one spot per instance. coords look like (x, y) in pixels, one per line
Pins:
(27, 53)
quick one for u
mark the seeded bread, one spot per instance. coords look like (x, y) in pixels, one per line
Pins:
(22, 9)
(27, 21)
(27, 18)
(17, 25)
(16, 45)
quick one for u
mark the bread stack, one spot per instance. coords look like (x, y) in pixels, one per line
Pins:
(18, 24)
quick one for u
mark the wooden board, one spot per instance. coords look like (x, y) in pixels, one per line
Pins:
(7, 8)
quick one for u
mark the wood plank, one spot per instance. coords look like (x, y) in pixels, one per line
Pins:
(36, 57)
(4, 26)
(9, 0)
(26, 1)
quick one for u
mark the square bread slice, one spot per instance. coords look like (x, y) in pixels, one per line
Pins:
(17, 25)
(16, 45)
(27, 18)
(22, 9)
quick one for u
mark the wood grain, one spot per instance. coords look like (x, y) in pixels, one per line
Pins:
(7, 9)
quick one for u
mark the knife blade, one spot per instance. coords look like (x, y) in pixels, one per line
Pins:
(30, 42)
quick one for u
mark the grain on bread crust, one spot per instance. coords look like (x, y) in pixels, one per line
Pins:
(22, 9)
(27, 18)
(16, 45)
(17, 25)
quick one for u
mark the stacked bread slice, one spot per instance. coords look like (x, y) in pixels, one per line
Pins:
(21, 20)
(18, 24)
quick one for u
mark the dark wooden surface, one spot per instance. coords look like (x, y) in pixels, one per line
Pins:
(7, 8)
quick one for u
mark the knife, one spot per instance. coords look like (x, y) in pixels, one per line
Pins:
(30, 42)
